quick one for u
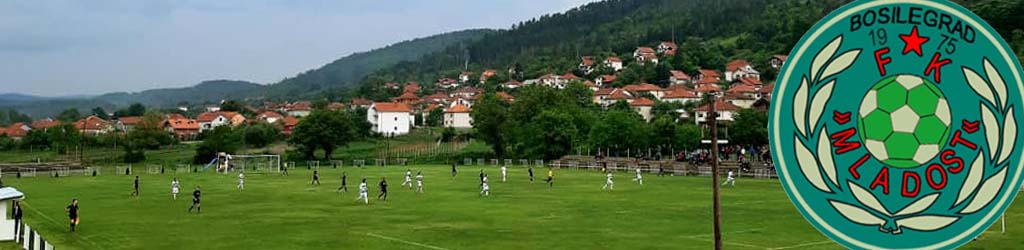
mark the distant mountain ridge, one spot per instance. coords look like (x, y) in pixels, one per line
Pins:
(348, 70)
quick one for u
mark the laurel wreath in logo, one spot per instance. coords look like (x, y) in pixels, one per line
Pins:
(819, 167)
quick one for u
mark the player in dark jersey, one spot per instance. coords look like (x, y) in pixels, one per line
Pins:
(195, 201)
(383, 189)
(530, 170)
(344, 182)
(135, 188)
(73, 213)
(454, 172)
(316, 178)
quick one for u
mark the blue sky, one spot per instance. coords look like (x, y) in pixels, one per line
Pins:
(70, 47)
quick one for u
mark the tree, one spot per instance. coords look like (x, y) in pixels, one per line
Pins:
(435, 117)
(323, 129)
(489, 116)
(687, 136)
(99, 112)
(35, 140)
(750, 127)
(69, 115)
(64, 137)
(232, 106)
(552, 134)
(620, 130)
(222, 139)
(259, 135)
(135, 109)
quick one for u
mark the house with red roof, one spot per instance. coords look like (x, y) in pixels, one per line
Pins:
(645, 54)
(407, 98)
(776, 61)
(678, 77)
(288, 125)
(740, 68)
(128, 123)
(447, 83)
(726, 112)
(586, 64)
(299, 109)
(94, 125)
(465, 76)
(643, 106)
(667, 48)
(708, 75)
(270, 117)
(613, 62)
(16, 131)
(511, 84)
(603, 80)
(45, 124)
(182, 128)
(211, 120)
(487, 75)
(681, 95)
(361, 103)
(645, 88)
(458, 116)
(411, 87)
(389, 118)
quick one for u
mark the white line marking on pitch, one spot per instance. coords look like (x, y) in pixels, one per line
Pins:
(407, 242)
(801, 245)
(41, 214)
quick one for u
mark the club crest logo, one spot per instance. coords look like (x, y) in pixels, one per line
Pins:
(894, 125)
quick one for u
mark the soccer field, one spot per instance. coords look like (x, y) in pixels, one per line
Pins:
(286, 212)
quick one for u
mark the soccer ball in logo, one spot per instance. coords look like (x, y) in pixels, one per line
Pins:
(904, 119)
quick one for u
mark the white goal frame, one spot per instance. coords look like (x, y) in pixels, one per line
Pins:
(249, 163)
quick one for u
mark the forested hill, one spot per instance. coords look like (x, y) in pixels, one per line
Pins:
(350, 69)
(709, 33)
(208, 91)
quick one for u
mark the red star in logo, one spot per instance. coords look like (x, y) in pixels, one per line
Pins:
(913, 42)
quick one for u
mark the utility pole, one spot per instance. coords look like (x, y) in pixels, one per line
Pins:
(713, 115)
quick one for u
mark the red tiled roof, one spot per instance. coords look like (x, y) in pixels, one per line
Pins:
(707, 80)
(736, 64)
(458, 108)
(16, 130)
(269, 114)
(290, 121)
(642, 101)
(719, 106)
(644, 50)
(336, 106)
(768, 88)
(707, 88)
(505, 96)
(613, 59)
(709, 73)
(569, 76)
(619, 94)
(743, 88)
(589, 84)
(679, 93)
(587, 61)
(182, 123)
(130, 120)
(750, 81)
(642, 87)
(680, 75)
(407, 96)
(45, 123)
(208, 116)
(91, 123)
(391, 107)
(781, 57)
(436, 96)
(361, 102)
(604, 91)
(608, 78)
(737, 96)
(412, 87)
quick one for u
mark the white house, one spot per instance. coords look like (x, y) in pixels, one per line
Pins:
(211, 120)
(613, 63)
(8, 195)
(776, 61)
(645, 54)
(679, 77)
(643, 106)
(458, 117)
(390, 119)
(667, 48)
(738, 69)
(681, 95)
(726, 111)
(586, 64)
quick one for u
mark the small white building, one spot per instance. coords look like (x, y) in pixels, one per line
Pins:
(725, 110)
(7, 195)
(390, 119)
(458, 117)
(738, 69)
(613, 62)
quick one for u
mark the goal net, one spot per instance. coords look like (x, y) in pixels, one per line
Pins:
(251, 163)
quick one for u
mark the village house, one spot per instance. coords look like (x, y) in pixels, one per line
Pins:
(618, 95)
(299, 109)
(586, 65)
(390, 119)
(211, 120)
(407, 98)
(411, 87)
(643, 106)
(511, 84)
(458, 117)
(45, 124)
(127, 124)
(466, 92)
(613, 62)
(678, 77)
(335, 106)
(681, 94)
(447, 83)
(361, 103)
(16, 131)
(602, 80)
(725, 110)
(289, 125)
(707, 89)
(182, 128)
(738, 69)
(487, 75)
(667, 48)
(776, 61)
(645, 88)
(708, 75)
(270, 117)
(504, 96)
(556, 81)
(645, 54)
(94, 125)
(465, 76)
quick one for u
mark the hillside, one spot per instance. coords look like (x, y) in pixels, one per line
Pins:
(208, 91)
(350, 69)
(709, 33)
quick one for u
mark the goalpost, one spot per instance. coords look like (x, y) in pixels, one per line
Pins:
(249, 163)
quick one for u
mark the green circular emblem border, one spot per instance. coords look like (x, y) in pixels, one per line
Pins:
(795, 194)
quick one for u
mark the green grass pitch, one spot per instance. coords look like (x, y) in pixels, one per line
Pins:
(286, 212)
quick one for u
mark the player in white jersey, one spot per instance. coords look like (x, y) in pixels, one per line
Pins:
(419, 182)
(609, 184)
(639, 177)
(504, 173)
(408, 178)
(485, 190)
(241, 180)
(730, 180)
(175, 188)
(362, 192)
